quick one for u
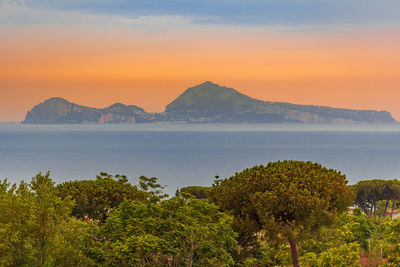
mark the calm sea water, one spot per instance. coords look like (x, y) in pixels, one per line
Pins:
(181, 155)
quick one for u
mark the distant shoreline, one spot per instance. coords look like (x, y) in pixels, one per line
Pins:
(204, 127)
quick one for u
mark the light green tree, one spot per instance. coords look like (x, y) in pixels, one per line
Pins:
(36, 228)
(175, 232)
(16, 225)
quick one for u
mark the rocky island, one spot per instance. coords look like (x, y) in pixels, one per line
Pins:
(204, 103)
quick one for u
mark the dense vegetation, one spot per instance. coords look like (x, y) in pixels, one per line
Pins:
(285, 200)
(280, 214)
(204, 103)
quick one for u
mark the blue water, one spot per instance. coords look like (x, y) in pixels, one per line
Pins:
(181, 155)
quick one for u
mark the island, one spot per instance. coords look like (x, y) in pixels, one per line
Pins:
(204, 103)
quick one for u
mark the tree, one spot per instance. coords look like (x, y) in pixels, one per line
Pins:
(346, 255)
(174, 232)
(154, 191)
(36, 228)
(49, 211)
(199, 192)
(370, 192)
(95, 198)
(285, 199)
(341, 243)
(386, 241)
(16, 223)
(395, 194)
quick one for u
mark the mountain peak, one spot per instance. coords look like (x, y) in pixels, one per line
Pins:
(56, 100)
(208, 83)
(118, 105)
(210, 97)
(211, 86)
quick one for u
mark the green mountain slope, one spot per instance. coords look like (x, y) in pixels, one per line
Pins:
(211, 102)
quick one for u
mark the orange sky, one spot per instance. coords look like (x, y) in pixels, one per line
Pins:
(97, 67)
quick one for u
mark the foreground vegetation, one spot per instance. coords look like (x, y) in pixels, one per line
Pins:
(285, 213)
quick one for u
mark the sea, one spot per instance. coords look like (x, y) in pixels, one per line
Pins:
(193, 154)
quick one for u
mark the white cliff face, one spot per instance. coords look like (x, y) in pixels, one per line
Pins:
(116, 118)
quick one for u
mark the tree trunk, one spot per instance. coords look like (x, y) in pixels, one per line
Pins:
(295, 253)
(386, 206)
(375, 210)
(393, 204)
(191, 254)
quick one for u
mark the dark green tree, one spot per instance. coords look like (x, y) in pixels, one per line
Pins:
(284, 200)
(152, 188)
(199, 192)
(370, 192)
(395, 194)
(95, 198)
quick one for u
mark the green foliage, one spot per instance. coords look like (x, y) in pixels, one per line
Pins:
(296, 202)
(391, 235)
(75, 246)
(199, 192)
(370, 192)
(95, 198)
(385, 243)
(174, 232)
(339, 244)
(35, 227)
(287, 199)
(334, 245)
(269, 254)
(16, 224)
(153, 189)
(357, 228)
(342, 256)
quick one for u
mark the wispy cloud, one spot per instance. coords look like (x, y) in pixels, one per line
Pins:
(290, 14)
(242, 12)
(17, 12)
(10, 3)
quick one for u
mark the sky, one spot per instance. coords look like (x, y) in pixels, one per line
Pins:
(342, 53)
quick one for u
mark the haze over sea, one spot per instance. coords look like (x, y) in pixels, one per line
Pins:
(184, 154)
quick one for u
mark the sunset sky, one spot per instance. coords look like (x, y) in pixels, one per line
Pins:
(342, 53)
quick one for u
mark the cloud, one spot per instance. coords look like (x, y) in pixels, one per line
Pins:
(242, 12)
(17, 12)
(273, 13)
(9, 4)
